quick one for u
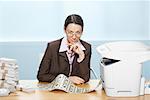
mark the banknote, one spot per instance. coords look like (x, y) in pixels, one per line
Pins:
(14, 83)
(61, 82)
(10, 72)
(4, 92)
(8, 86)
(25, 88)
(8, 60)
(9, 77)
(8, 66)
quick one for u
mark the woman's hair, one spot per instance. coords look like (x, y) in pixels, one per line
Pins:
(74, 18)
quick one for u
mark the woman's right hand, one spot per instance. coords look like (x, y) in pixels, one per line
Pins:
(77, 49)
(76, 79)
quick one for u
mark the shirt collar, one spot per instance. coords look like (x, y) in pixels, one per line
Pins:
(64, 46)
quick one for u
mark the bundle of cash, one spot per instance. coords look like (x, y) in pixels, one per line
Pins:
(9, 75)
(147, 87)
(4, 92)
(61, 82)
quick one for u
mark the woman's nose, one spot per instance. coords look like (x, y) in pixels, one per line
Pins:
(74, 36)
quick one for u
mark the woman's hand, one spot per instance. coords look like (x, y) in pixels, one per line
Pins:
(76, 79)
(77, 49)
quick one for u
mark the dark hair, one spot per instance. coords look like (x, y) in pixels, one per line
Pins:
(74, 18)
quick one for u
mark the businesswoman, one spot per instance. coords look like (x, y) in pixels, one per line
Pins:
(69, 55)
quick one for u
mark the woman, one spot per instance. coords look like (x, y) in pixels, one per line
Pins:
(69, 55)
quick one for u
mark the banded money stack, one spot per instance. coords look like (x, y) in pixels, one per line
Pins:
(9, 74)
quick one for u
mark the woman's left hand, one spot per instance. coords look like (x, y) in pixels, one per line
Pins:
(76, 79)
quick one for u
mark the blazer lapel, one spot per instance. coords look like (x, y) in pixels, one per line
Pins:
(63, 54)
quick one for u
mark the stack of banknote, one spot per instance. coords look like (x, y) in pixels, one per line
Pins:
(9, 75)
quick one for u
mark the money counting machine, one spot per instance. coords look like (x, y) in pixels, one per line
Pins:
(121, 67)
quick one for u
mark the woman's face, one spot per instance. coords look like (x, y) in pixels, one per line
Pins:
(73, 32)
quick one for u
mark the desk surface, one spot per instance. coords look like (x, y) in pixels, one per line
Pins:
(60, 95)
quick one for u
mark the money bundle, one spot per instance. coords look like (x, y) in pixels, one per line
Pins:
(61, 82)
(147, 87)
(9, 74)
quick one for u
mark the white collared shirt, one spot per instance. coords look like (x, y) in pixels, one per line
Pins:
(70, 55)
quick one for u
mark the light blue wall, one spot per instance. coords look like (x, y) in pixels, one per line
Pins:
(105, 20)
(30, 20)
(113, 19)
(28, 56)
